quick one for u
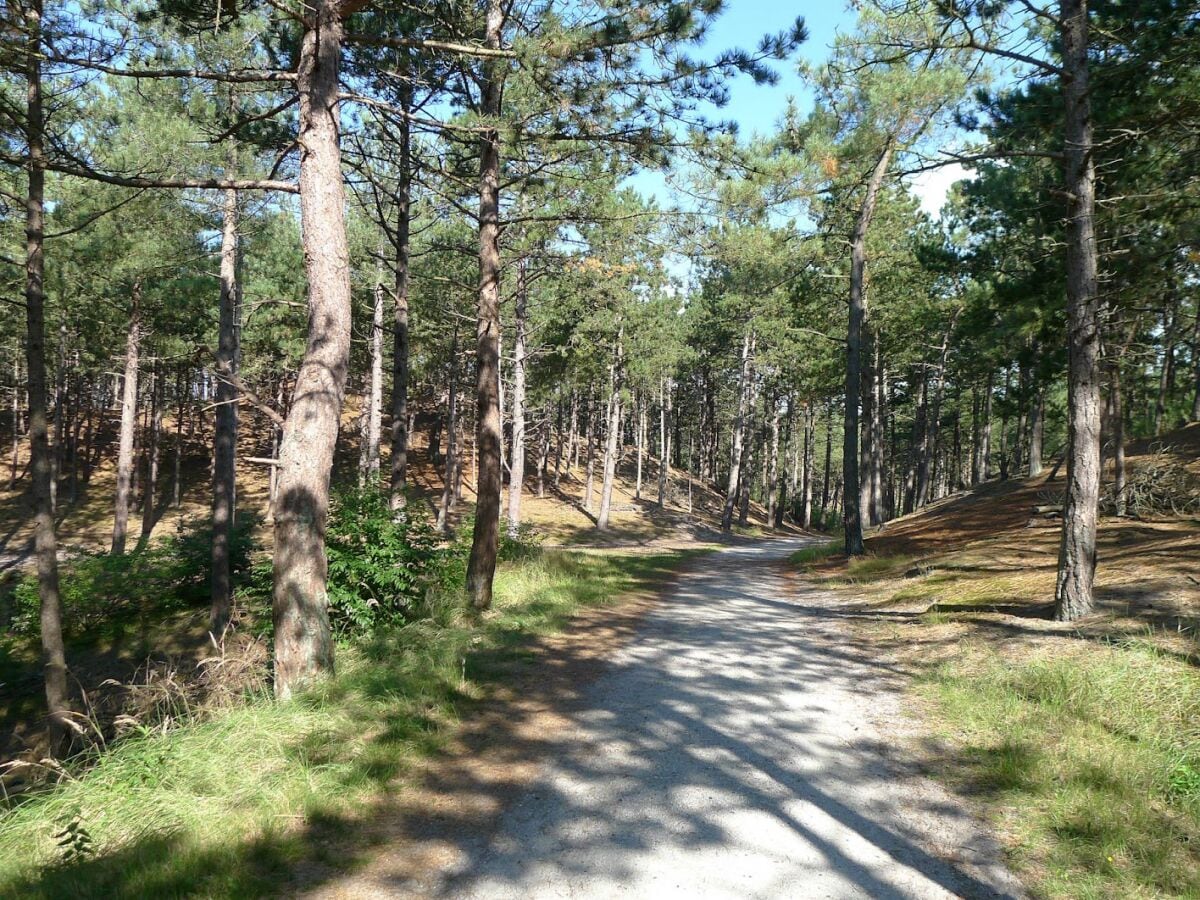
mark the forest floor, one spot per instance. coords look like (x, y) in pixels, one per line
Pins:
(736, 744)
(1079, 742)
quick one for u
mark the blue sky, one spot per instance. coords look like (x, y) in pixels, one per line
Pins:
(757, 108)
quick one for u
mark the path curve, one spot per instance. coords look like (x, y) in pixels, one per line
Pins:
(738, 746)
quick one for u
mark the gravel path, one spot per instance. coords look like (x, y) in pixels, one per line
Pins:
(738, 746)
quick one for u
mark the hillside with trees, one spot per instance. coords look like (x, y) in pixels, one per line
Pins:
(360, 356)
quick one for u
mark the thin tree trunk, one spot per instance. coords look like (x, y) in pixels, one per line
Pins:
(590, 476)
(1077, 556)
(303, 643)
(854, 338)
(773, 465)
(544, 456)
(224, 481)
(481, 566)
(448, 477)
(150, 489)
(1036, 430)
(985, 446)
(641, 444)
(54, 660)
(400, 339)
(737, 451)
(828, 460)
(1166, 370)
(810, 426)
(1196, 367)
(372, 421)
(666, 390)
(177, 475)
(16, 422)
(612, 444)
(516, 464)
(129, 397)
(1118, 438)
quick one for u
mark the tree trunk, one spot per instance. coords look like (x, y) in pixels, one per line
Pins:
(773, 466)
(16, 422)
(806, 497)
(1118, 437)
(828, 459)
(641, 445)
(150, 488)
(1196, 367)
(225, 437)
(612, 444)
(177, 475)
(1166, 371)
(878, 407)
(543, 456)
(1077, 556)
(985, 446)
(852, 519)
(590, 465)
(516, 464)
(1036, 429)
(449, 481)
(129, 397)
(666, 390)
(481, 566)
(303, 643)
(399, 430)
(54, 660)
(372, 419)
(737, 451)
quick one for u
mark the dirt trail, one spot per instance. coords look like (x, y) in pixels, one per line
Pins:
(738, 746)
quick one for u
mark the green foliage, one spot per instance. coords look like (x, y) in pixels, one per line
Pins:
(1094, 761)
(381, 565)
(224, 807)
(170, 574)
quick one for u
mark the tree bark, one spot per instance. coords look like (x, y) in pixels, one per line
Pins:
(303, 643)
(224, 484)
(1077, 555)
(481, 566)
(449, 481)
(737, 450)
(1036, 429)
(129, 397)
(852, 520)
(516, 462)
(806, 480)
(1118, 437)
(153, 432)
(773, 465)
(612, 444)
(54, 660)
(590, 464)
(400, 339)
(372, 420)
(666, 390)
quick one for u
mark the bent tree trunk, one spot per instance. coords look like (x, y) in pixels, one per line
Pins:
(303, 644)
(851, 514)
(1077, 555)
(54, 660)
(225, 438)
(129, 395)
(481, 565)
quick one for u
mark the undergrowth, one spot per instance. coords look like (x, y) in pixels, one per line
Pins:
(227, 805)
(1092, 762)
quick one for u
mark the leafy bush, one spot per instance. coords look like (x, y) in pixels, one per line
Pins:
(171, 574)
(381, 564)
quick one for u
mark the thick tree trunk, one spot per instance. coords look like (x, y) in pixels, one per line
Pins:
(516, 464)
(400, 340)
(372, 418)
(1077, 556)
(737, 451)
(129, 397)
(224, 484)
(303, 643)
(852, 519)
(481, 566)
(45, 541)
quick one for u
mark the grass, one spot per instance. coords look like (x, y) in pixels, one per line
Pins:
(806, 556)
(1091, 762)
(230, 805)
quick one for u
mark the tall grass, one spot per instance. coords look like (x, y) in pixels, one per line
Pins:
(1093, 761)
(215, 808)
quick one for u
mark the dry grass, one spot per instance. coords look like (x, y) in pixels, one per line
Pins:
(1079, 740)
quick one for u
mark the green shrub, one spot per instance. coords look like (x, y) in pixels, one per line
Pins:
(170, 574)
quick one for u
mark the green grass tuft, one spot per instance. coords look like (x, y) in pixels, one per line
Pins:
(214, 808)
(1093, 760)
